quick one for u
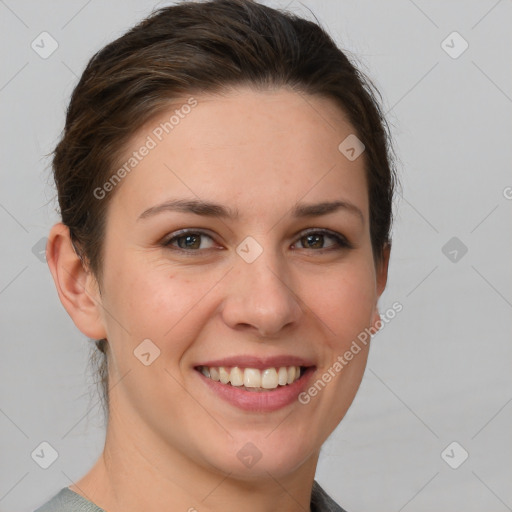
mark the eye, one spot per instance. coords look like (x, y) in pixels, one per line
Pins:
(189, 241)
(316, 239)
(194, 240)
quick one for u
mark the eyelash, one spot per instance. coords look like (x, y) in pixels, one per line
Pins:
(341, 243)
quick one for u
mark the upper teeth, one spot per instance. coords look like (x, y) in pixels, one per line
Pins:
(269, 378)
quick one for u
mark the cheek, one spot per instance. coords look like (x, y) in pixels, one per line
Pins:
(156, 303)
(345, 301)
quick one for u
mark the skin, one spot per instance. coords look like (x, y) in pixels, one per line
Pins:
(171, 443)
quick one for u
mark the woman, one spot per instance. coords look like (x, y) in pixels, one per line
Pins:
(225, 187)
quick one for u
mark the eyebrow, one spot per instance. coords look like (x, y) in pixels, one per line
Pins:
(210, 209)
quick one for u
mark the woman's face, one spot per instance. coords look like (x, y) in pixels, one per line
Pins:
(220, 248)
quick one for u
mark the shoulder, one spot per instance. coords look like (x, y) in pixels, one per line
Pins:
(322, 502)
(67, 500)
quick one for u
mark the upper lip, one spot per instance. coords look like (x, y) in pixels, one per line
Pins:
(260, 363)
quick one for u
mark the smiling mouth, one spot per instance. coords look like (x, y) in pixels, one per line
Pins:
(253, 379)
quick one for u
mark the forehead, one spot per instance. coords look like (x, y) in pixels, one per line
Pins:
(246, 147)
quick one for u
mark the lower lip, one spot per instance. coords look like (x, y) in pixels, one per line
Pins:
(259, 401)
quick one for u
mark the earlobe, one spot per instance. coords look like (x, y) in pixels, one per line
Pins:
(382, 269)
(76, 285)
(377, 322)
(381, 281)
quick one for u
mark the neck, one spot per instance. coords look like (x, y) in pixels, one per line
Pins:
(138, 471)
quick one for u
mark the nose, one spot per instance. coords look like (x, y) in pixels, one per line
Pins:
(259, 298)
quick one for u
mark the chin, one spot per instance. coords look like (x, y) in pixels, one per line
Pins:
(260, 456)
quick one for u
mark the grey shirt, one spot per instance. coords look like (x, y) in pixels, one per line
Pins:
(69, 501)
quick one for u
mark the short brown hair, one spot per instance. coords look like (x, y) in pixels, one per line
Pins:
(196, 47)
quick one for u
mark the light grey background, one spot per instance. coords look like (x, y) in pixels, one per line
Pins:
(439, 372)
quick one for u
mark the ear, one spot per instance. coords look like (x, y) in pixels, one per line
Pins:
(76, 285)
(381, 280)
